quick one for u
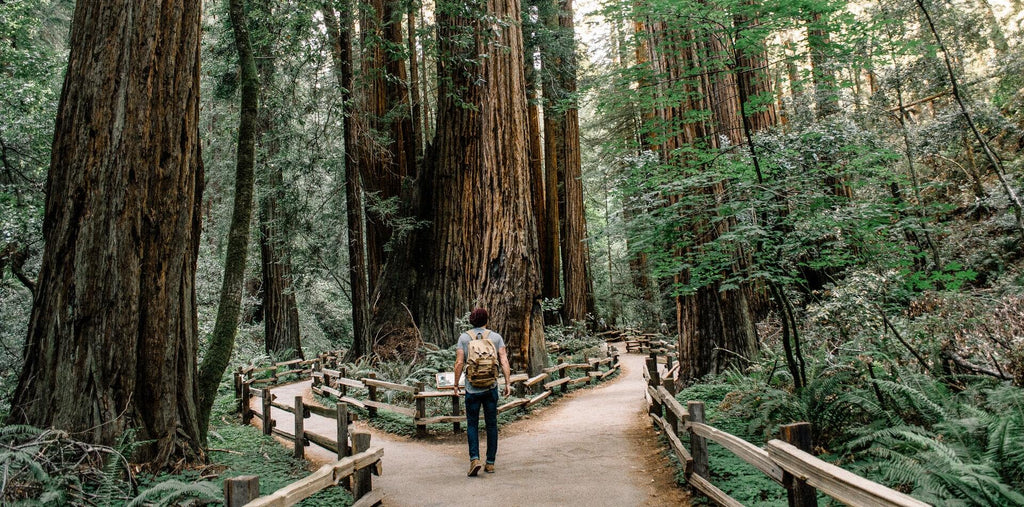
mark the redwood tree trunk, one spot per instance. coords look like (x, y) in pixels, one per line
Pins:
(414, 83)
(280, 309)
(708, 320)
(579, 287)
(824, 79)
(112, 338)
(386, 146)
(340, 37)
(548, 250)
(483, 235)
(554, 132)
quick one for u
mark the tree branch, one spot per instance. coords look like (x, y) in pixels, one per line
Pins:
(967, 365)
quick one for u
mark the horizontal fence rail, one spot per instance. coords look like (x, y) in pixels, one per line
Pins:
(785, 461)
(330, 380)
(353, 472)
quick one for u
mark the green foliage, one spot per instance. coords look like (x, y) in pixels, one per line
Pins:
(244, 450)
(886, 422)
(33, 54)
(174, 492)
(48, 467)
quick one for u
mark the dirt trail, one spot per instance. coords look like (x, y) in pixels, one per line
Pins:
(592, 447)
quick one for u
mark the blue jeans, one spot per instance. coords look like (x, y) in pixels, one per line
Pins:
(489, 400)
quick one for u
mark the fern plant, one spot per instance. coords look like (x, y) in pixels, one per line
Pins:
(174, 492)
(48, 467)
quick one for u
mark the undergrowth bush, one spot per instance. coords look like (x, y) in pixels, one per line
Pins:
(880, 418)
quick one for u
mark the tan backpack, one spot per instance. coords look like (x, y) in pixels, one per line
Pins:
(481, 361)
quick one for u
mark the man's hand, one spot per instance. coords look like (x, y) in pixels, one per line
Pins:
(455, 392)
(508, 390)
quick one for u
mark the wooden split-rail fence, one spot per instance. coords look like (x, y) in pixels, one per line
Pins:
(356, 459)
(331, 381)
(334, 383)
(787, 461)
(352, 472)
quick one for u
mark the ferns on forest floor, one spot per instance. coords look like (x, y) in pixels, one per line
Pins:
(52, 468)
(902, 428)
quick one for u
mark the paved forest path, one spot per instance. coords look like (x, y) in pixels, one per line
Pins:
(593, 447)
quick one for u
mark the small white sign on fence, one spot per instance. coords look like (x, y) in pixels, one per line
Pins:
(446, 379)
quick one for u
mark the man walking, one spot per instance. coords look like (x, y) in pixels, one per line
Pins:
(481, 351)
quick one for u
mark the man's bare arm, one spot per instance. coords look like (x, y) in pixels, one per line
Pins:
(503, 357)
(460, 362)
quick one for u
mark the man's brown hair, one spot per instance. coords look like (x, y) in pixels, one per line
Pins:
(478, 317)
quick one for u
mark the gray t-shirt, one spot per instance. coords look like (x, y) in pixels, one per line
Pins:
(496, 339)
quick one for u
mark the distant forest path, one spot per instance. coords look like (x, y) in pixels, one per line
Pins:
(592, 447)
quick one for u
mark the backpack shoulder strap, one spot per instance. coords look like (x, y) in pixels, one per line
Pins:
(485, 334)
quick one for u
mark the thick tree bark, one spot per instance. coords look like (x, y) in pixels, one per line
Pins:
(483, 235)
(553, 55)
(548, 244)
(579, 286)
(222, 341)
(414, 83)
(112, 338)
(709, 321)
(387, 147)
(340, 37)
(280, 309)
(552, 240)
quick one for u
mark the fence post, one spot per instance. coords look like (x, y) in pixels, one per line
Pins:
(372, 396)
(698, 445)
(655, 381)
(300, 433)
(342, 413)
(362, 483)
(671, 419)
(799, 492)
(421, 411)
(268, 423)
(238, 383)
(456, 411)
(244, 407)
(338, 385)
(670, 416)
(318, 366)
(241, 490)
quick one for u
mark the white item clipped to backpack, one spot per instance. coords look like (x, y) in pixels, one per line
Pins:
(482, 360)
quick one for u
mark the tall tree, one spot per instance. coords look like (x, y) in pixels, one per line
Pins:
(579, 286)
(819, 38)
(387, 144)
(112, 342)
(715, 321)
(547, 230)
(340, 37)
(222, 341)
(280, 308)
(483, 234)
